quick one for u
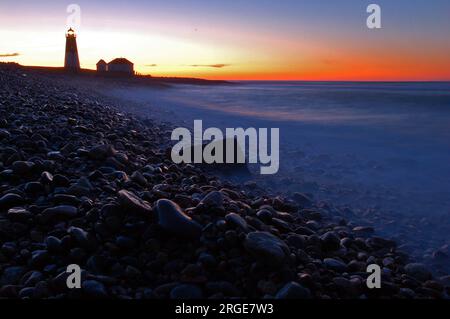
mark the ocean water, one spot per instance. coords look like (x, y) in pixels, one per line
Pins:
(382, 149)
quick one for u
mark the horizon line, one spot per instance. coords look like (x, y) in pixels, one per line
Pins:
(254, 80)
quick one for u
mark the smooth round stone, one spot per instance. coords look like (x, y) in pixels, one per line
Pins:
(335, 265)
(80, 235)
(213, 199)
(265, 215)
(296, 241)
(293, 290)
(27, 292)
(33, 187)
(39, 258)
(172, 219)
(33, 278)
(4, 134)
(60, 180)
(207, 260)
(12, 275)
(53, 244)
(330, 241)
(22, 167)
(137, 177)
(133, 203)
(125, 242)
(55, 155)
(235, 219)
(268, 248)
(10, 200)
(62, 212)
(418, 271)
(186, 292)
(94, 288)
(100, 152)
(19, 214)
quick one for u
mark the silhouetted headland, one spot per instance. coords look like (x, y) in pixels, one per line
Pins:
(138, 79)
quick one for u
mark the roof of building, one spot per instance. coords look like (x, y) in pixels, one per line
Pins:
(101, 62)
(120, 61)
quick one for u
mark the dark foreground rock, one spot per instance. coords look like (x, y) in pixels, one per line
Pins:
(81, 183)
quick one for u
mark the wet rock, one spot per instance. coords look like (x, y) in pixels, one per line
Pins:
(34, 188)
(94, 288)
(335, 265)
(53, 244)
(12, 275)
(4, 134)
(19, 214)
(133, 203)
(186, 292)
(297, 241)
(293, 290)
(265, 215)
(172, 219)
(213, 200)
(267, 248)
(80, 236)
(418, 271)
(101, 152)
(137, 177)
(22, 167)
(236, 220)
(59, 213)
(10, 200)
(39, 258)
(330, 241)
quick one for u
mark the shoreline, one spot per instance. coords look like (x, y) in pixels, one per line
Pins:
(104, 212)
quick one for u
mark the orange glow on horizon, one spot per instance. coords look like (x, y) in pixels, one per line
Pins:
(270, 57)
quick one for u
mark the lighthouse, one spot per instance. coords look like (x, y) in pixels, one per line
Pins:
(71, 62)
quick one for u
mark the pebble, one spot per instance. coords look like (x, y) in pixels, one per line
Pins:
(330, 241)
(172, 219)
(93, 288)
(19, 214)
(418, 271)
(10, 200)
(186, 292)
(236, 220)
(58, 213)
(133, 203)
(12, 275)
(335, 265)
(267, 248)
(213, 200)
(293, 290)
(22, 167)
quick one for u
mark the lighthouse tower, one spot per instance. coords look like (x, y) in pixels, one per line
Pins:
(71, 62)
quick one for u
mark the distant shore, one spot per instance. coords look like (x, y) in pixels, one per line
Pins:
(137, 79)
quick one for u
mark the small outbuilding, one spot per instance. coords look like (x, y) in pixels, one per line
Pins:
(121, 66)
(102, 66)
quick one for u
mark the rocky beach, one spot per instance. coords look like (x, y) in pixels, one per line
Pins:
(81, 182)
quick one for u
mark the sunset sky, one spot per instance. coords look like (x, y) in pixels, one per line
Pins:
(239, 39)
